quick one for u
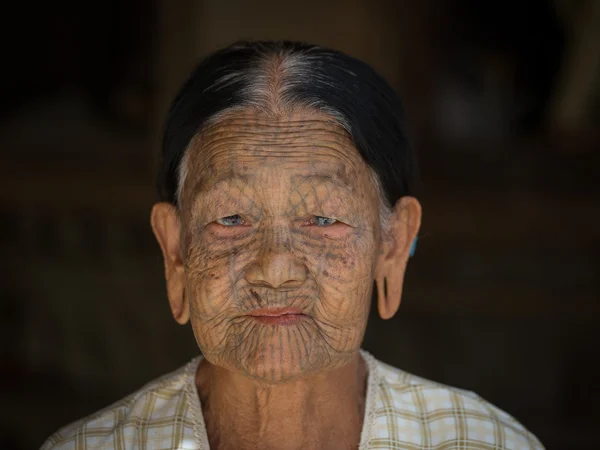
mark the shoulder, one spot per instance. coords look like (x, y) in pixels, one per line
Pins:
(427, 413)
(156, 416)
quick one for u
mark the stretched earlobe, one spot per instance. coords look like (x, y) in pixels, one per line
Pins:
(397, 248)
(181, 310)
(389, 295)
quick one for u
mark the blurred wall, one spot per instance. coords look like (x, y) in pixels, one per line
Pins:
(502, 295)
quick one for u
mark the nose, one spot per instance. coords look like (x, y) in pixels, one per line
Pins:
(276, 265)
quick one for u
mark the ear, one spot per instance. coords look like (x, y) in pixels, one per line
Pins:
(166, 226)
(394, 253)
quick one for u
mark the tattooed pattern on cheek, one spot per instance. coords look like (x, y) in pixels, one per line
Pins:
(280, 245)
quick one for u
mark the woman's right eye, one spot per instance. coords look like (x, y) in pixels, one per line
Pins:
(230, 221)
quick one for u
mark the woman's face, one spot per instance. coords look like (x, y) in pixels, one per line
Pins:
(278, 216)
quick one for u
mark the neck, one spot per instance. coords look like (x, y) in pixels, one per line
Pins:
(320, 411)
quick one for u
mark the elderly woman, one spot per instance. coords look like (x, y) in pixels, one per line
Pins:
(286, 180)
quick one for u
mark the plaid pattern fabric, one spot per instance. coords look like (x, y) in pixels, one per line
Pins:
(410, 412)
(403, 411)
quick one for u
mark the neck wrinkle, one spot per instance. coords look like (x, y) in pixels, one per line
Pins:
(234, 405)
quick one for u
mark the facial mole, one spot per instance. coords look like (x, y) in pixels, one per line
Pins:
(325, 273)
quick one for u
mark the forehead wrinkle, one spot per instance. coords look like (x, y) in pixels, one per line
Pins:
(256, 126)
(246, 147)
(245, 135)
(336, 175)
(228, 156)
(236, 137)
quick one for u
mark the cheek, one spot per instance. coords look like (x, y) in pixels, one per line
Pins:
(210, 257)
(345, 262)
(210, 275)
(210, 281)
(344, 272)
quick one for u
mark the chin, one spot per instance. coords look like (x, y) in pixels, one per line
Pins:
(273, 354)
(276, 358)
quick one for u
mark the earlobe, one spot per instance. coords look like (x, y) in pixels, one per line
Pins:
(389, 294)
(394, 258)
(181, 311)
(165, 224)
(383, 305)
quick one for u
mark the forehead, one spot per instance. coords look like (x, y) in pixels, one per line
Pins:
(299, 144)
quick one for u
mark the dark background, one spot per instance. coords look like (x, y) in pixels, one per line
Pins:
(503, 98)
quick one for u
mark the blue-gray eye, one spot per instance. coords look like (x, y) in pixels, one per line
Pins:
(324, 221)
(230, 221)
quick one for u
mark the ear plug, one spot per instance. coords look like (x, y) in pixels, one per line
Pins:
(413, 248)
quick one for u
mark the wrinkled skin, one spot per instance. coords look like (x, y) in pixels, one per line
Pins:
(280, 211)
(276, 254)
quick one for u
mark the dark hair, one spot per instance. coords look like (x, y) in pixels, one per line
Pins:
(328, 80)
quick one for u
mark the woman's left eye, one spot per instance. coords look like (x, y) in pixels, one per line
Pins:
(324, 221)
(230, 221)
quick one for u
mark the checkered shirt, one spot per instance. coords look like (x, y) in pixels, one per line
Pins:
(402, 411)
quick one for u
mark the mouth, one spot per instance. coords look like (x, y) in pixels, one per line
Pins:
(278, 316)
